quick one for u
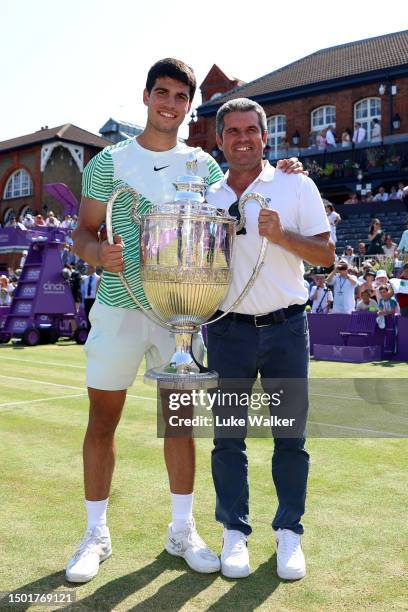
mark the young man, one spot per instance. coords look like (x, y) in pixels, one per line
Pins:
(121, 334)
(267, 332)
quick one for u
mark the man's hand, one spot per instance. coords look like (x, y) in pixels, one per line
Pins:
(291, 166)
(269, 225)
(111, 255)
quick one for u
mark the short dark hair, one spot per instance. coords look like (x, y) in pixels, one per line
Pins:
(240, 105)
(174, 69)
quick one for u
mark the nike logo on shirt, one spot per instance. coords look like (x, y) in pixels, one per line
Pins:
(157, 169)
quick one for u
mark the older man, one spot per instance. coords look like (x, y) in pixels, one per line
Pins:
(267, 332)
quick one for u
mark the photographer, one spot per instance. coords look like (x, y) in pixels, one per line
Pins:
(343, 284)
(320, 295)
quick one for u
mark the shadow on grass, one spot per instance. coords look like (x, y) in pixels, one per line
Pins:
(245, 594)
(387, 364)
(249, 593)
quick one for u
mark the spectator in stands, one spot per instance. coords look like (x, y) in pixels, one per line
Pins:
(353, 199)
(6, 291)
(376, 131)
(321, 295)
(321, 140)
(39, 220)
(368, 283)
(330, 137)
(381, 279)
(393, 193)
(359, 133)
(400, 192)
(389, 247)
(369, 196)
(400, 288)
(366, 302)
(334, 219)
(66, 224)
(403, 244)
(52, 220)
(348, 255)
(387, 305)
(343, 284)
(346, 138)
(375, 238)
(28, 221)
(381, 196)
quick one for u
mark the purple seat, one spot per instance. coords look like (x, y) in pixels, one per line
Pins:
(362, 324)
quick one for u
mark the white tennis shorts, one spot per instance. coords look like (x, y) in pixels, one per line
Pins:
(118, 341)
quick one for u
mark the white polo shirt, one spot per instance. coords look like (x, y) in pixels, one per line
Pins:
(280, 282)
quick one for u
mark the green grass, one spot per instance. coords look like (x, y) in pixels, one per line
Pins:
(356, 527)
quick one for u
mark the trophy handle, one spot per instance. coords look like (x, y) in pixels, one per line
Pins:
(261, 257)
(109, 231)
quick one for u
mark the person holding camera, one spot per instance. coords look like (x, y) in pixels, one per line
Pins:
(375, 238)
(321, 295)
(343, 284)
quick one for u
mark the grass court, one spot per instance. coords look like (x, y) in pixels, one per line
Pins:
(356, 525)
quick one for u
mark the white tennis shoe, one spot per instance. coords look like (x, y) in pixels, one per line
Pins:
(188, 545)
(291, 563)
(94, 548)
(235, 556)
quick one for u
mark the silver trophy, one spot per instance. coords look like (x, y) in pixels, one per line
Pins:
(186, 250)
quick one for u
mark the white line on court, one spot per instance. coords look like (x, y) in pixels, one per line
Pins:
(357, 399)
(42, 399)
(53, 363)
(42, 382)
(390, 434)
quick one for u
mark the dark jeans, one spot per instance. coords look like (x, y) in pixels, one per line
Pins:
(238, 349)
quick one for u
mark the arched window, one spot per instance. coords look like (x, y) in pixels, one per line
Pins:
(365, 111)
(18, 185)
(322, 117)
(276, 131)
(8, 217)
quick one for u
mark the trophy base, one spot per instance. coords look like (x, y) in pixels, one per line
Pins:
(167, 377)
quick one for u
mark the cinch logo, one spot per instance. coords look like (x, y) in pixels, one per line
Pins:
(33, 275)
(28, 291)
(49, 287)
(23, 307)
(19, 325)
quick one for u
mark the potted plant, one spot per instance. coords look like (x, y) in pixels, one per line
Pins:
(392, 161)
(375, 159)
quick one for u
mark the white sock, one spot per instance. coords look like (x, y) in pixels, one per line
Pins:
(182, 511)
(96, 512)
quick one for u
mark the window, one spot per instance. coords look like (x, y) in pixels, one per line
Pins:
(365, 111)
(276, 131)
(322, 117)
(18, 185)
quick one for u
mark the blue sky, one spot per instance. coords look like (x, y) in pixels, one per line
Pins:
(83, 61)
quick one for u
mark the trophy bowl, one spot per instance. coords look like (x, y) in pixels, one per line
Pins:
(186, 250)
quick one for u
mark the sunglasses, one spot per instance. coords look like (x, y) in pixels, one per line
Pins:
(234, 212)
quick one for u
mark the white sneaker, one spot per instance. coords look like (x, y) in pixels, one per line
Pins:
(290, 558)
(94, 548)
(188, 545)
(235, 556)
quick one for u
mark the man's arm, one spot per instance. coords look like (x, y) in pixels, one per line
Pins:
(318, 250)
(92, 214)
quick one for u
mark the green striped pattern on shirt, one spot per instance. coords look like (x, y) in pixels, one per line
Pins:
(99, 183)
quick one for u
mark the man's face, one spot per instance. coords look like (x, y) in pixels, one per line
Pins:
(319, 280)
(362, 248)
(167, 104)
(365, 296)
(242, 140)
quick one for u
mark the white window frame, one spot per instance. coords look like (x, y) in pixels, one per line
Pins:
(326, 115)
(19, 185)
(366, 117)
(276, 125)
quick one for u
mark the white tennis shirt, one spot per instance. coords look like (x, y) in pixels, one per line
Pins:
(280, 282)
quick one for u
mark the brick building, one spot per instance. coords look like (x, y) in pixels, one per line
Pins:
(358, 81)
(50, 155)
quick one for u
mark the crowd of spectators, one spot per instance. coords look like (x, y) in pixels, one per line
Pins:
(397, 193)
(30, 221)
